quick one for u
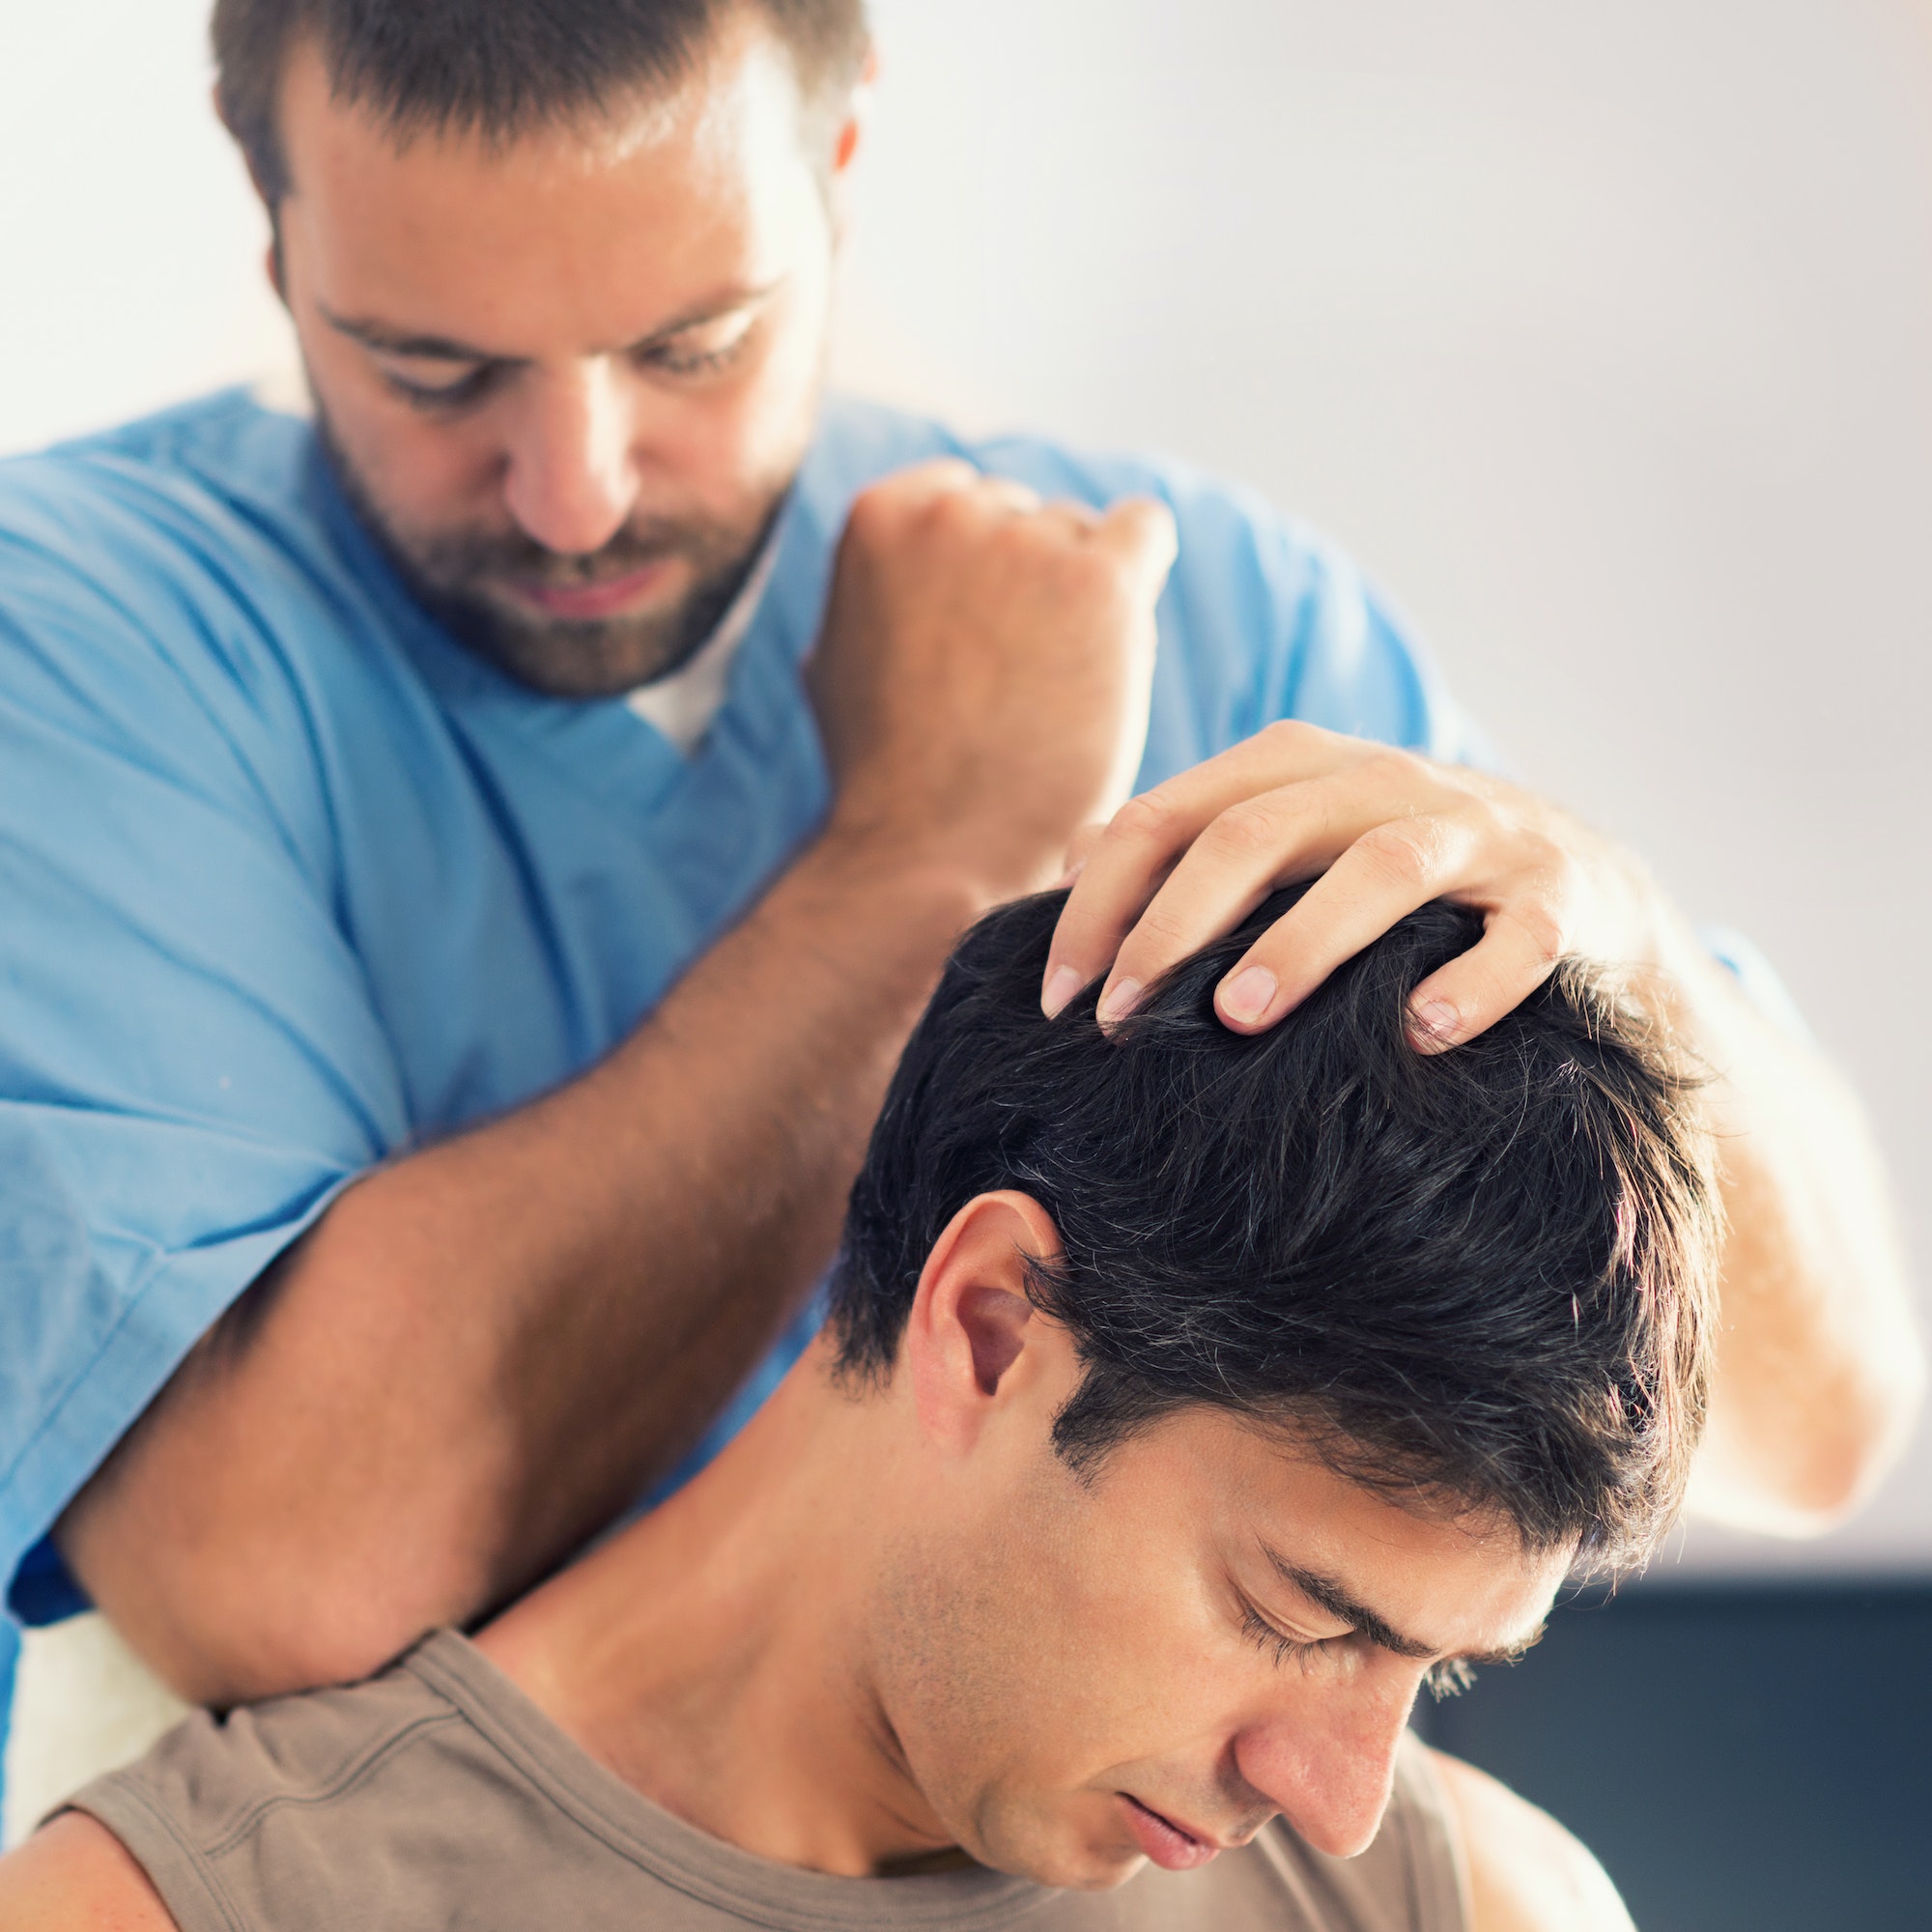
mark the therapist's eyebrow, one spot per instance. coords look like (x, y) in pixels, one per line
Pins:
(389, 341)
(399, 342)
(1344, 1609)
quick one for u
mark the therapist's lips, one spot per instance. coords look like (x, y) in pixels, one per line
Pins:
(1168, 1844)
(585, 603)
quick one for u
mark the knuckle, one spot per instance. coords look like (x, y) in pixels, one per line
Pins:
(1497, 823)
(955, 509)
(1150, 529)
(1394, 769)
(938, 474)
(1543, 928)
(1552, 878)
(1158, 934)
(1407, 852)
(873, 512)
(1288, 731)
(1246, 830)
(1002, 494)
(1144, 820)
(1556, 865)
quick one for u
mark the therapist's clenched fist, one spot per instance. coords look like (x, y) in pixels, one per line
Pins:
(983, 676)
(1380, 832)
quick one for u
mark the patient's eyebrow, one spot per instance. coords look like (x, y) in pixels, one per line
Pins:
(1343, 1608)
(1336, 1600)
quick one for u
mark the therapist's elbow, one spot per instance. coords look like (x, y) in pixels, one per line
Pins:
(1879, 1401)
(1881, 1416)
(235, 1648)
(1810, 1472)
(239, 1615)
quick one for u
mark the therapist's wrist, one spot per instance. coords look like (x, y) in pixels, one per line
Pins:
(968, 863)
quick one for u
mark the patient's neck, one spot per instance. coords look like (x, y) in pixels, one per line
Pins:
(716, 1655)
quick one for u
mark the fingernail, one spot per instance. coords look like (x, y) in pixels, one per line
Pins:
(1248, 995)
(1061, 983)
(1434, 1019)
(1119, 1002)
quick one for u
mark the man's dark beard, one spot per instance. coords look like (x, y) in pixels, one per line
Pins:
(564, 657)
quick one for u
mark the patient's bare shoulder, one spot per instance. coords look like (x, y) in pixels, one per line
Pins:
(75, 1875)
(1526, 1873)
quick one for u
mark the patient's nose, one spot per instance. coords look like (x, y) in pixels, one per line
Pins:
(1328, 1766)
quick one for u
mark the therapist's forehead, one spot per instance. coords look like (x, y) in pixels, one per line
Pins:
(739, 93)
(592, 225)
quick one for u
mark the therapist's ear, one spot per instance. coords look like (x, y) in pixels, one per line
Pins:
(272, 261)
(846, 143)
(975, 1343)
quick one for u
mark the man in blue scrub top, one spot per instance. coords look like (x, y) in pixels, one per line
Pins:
(470, 858)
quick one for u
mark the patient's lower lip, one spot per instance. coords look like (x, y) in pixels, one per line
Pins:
(593, 600)
(1163, 1840)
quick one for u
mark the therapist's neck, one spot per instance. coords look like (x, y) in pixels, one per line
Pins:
(715, 1654)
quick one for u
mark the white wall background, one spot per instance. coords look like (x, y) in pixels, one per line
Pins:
(1603, 334)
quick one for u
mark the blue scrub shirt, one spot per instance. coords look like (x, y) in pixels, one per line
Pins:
(293, 884)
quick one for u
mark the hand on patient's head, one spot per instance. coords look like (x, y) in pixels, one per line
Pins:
(1485, 1276)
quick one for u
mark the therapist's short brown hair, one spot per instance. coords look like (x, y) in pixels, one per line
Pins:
(498, 68)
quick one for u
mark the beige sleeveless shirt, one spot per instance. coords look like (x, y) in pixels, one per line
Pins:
(437, 1796)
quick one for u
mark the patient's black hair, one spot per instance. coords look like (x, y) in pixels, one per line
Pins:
(498, 68)
(1481, 1278)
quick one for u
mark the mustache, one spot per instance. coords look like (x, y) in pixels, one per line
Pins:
(473, 556)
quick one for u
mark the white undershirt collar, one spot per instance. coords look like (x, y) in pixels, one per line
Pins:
(683, 705)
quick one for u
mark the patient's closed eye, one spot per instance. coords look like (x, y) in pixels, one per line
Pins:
(1449, 1678)
(1276, 1644)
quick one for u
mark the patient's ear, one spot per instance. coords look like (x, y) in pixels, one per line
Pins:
(974, 1343)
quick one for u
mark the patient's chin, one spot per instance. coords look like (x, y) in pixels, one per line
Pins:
(1067, 1861)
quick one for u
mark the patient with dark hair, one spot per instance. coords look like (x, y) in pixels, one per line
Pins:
(1189, 1402)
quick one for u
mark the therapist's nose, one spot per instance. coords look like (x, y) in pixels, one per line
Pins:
(570, 478)
(1328, 1764)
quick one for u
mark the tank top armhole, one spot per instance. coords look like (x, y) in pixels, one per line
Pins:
(194, 1896)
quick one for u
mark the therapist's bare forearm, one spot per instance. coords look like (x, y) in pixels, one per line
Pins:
(1819, 1369)
(484, 1350)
